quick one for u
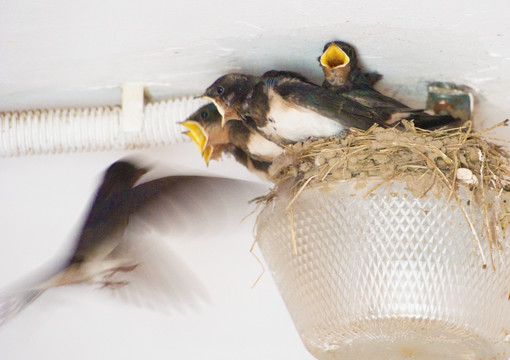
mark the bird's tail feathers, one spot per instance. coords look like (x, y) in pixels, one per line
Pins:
(427, 121)
(18, 295)
(12, 302)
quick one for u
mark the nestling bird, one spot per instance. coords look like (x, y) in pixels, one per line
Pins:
(286, 107)
(205, 129)
(343, 75)
(342, 72)
(113, 249)
(258, 167)
(228, 94)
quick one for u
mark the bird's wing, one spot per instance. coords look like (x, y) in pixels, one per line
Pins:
(310, 96)
(369, 97)
(366, 78)
(193, 206)
(185, 205)
(120, 175)
(160, 279)
(180, 208)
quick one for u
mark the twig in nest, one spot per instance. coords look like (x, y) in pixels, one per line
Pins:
(503, 123)
(328, 171)
(300, 191)
(378, 185)
(489, 234)
(259, 261)
(433, 165)
(455, 167)
(472, 228)
(292, 231)
(469, 126)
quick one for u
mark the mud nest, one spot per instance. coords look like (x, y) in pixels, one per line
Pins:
(429, 163)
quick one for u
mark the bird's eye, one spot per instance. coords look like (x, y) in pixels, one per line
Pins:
(220, 90)
(204, 114)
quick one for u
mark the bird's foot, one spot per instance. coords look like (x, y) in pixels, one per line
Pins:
(113, 271)
(114, 284)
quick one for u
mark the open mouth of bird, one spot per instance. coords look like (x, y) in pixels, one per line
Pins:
(334, 57)
(197, 133)
(207, 153)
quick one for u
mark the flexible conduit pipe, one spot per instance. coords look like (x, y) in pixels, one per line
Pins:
(91, 129)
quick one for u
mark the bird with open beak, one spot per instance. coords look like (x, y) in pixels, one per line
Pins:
(206, 130)
(342, 72)
(285, 107)
(229, 92)
(343, 75)
(114, 250)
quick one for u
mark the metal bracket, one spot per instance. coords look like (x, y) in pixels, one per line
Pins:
(450, 98)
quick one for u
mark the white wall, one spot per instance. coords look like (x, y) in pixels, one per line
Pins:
(42, 202)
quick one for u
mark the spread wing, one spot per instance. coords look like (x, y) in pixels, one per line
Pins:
(178, 208)
(193, 205)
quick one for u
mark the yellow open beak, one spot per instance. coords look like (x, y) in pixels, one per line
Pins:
(196, 133)
(334, 57)
(206, 154)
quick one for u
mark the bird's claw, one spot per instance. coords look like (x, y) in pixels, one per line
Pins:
(112, 272)
(114, 284)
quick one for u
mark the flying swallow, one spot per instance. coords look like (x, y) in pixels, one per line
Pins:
(343, 75)
(206, 130)
(111, 249)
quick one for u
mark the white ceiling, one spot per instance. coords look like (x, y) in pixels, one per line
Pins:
(58, 53)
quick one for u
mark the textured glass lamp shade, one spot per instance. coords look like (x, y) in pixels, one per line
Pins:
(387, 276)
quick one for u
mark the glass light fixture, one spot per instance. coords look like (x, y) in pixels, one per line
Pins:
(386, 275)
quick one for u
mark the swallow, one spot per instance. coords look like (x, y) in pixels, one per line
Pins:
(339, 62)
(258, 167)
(285, 107)
(112, 249)
(206, 130)
(228, 94)
(343, 75)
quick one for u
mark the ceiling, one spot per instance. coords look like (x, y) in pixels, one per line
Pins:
(66, 54)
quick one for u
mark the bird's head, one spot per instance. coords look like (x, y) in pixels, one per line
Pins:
(204, 128)
(125, 171)
(228, 93)
(338, 54)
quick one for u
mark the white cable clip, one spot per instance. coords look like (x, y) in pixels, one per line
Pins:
(133, 100)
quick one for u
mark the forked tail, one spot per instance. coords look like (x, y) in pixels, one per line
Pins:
(11, 303)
